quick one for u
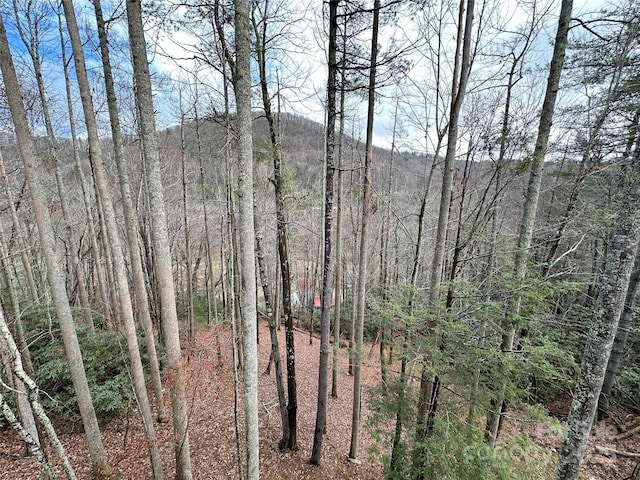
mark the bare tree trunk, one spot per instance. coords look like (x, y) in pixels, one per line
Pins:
(32, 394)
(212, 303)
(131, 220)
(160, 235)
(273, 332)
(364, 237)
(289, 433)
(112, 233)
(242, 89)
(325, 320)
(10, 281)
(338, 266)
(55, 274)
(27, 437)
(191, 325)
(384, 255)
(532, 195)
(33, 44)
(234, 353)
(93, 238)
(17, 227)
(619, 63)
(429, 386)
(544, 128)
(611, 288)
(27, 420)
(620, 340)
(230, 261)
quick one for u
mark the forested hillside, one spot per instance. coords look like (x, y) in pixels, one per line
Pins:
(346, 239)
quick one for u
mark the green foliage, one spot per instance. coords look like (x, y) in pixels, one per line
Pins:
(626, 389)
(549, 370)
(451, 454)
(462, 345)
(199, 308)
(106, 365)
(458, 452)
(208, 190)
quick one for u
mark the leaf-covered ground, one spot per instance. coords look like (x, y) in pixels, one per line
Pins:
(212, 432)
(210, 392)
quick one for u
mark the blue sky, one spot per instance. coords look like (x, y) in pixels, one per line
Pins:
(301, 65)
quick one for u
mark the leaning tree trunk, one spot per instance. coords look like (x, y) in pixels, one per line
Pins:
(121, 284)
(608, 305)
(620, 341)
(25, 412)
(33, 45)
(130, 218)
(32, 395)
(55, 275)
(19, 235)
(30, 440)
(11, 282)
(160, 235)
(93, 237)
(532, 195)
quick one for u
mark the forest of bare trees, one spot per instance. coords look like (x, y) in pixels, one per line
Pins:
(443, 193)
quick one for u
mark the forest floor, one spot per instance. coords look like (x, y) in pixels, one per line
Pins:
(210, 394)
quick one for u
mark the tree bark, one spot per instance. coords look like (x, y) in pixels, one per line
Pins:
(27, 437)
(325, 319)
(121, 284)
(18, 231)
(620, 340)
(130, 218)
(273, 333)
(93, 237)
(191, 321)
(532, 195)
(337, 312)
(290, 437)
(242, 89)
(364, 234)
(160, 235)
(55, 275)
(608, 305)
(33, 45)
(32, 395)
(429, 385)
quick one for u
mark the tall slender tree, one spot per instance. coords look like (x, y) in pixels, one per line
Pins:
(160, 236)
(242, 89)
(364, 238)
(532, 195)
(130, 217)
(430, 387)
(55, 275)
(323, 366)
(115, 243)
(261, 29)
(608, 305)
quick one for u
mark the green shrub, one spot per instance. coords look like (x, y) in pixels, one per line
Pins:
(626, 389)
(106, 365)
